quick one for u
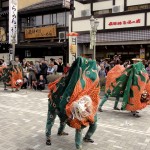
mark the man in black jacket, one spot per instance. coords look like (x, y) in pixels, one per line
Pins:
(44, 69)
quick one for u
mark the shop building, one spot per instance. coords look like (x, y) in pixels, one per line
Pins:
(4, 16)
(4, 25)
(124, 27)
(42, 29)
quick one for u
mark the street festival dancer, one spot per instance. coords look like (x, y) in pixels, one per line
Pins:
(132, 84)
(11, 76)
(75, 99)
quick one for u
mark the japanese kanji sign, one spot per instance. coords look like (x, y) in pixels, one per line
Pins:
(48, 31)
(13, 16)
(142, 53)
(73, 45)
(125, 21)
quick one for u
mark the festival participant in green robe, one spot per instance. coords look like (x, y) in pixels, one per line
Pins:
(105, 98)
(75, 99)
(132, 84)
(12, 76)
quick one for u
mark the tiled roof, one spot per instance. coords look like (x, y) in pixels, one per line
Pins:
(44, 4)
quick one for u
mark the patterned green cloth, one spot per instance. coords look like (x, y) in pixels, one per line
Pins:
(6, 74)
(65, 87)
(122, 85)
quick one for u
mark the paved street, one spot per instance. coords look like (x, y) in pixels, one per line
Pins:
(23, 117)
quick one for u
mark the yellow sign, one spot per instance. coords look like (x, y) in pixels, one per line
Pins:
(48, 31)
(2, 34)
(73, 45)
(142, 53)
(73, 49)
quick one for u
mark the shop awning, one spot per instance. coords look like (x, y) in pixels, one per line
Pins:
(41, 45)
(124, 43)
(46, 5)
(119, 38)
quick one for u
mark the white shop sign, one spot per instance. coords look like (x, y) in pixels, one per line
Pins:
(13, 17)
(148, 19)
(125, 21)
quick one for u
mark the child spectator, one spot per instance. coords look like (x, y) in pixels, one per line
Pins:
(41, 83)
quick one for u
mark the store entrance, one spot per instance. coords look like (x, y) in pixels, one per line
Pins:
(127, 52)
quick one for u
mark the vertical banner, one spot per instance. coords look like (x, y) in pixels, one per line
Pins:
(73, 45)
(13, 16)
(142, 53)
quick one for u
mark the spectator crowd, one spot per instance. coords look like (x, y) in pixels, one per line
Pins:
(39, 73)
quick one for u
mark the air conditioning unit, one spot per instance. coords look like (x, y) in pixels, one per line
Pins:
(85, 13)
(62, 35)
(117, 8)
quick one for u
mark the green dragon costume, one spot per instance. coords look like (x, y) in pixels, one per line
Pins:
(75, 99)
(131, 83)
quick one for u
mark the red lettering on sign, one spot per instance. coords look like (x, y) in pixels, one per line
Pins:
(138, 21)
(129, 22)
(124, 22)
(119, 23)
(110, 23)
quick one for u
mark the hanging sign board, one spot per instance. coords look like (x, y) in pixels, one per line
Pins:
(73, 45)
(142, 53)
(48, 31)
(13, 17)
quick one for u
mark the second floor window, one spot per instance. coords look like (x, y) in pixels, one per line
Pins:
(58, 18)
(138, 7)
(38, 20)
(100, 12)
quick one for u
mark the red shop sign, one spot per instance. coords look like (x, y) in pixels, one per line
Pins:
(125, 22)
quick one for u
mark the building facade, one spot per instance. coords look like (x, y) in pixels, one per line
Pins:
(124, 27)
(4, 29)
(4, 25)
(42, 29)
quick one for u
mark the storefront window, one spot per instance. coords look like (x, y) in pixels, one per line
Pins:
(5, 4)
(46, 19)
(32, 21)
(106, 11)
(138, 7)
(27, 53)
(61, 19)
(54, 20)
(23, 23)
(38, 20)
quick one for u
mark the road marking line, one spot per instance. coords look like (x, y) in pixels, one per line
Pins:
(117, 147)
(117, 134)
(111, 141)
(143, 144)
(124, 129)
(36, 146)
(107, 131)
(147, 141)
(148, 131)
